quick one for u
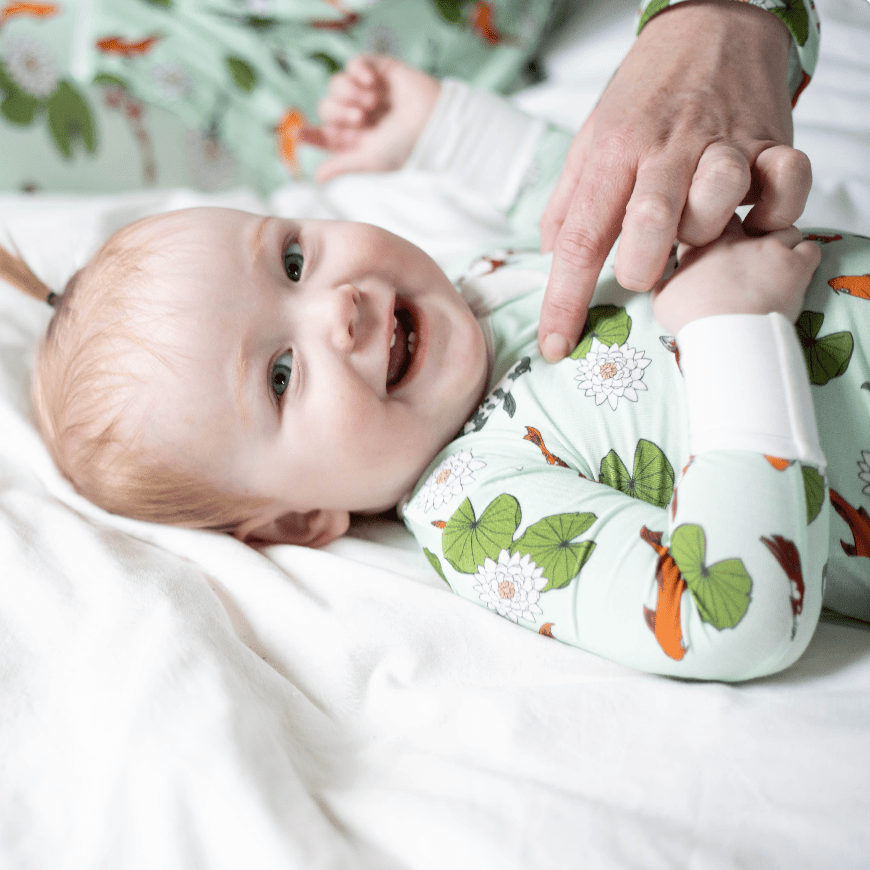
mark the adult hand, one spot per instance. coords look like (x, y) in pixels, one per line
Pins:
(696, 121)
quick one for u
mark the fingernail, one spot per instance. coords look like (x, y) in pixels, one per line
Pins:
(554, 347)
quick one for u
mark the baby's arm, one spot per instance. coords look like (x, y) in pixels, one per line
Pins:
(372, 115)
(381, 115)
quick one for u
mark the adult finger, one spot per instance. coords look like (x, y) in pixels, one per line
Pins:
(783, 177)
(651, 219)
(560, 199)
(719, 184)
(585, 238)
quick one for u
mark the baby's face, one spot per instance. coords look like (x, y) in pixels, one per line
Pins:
(322, 364)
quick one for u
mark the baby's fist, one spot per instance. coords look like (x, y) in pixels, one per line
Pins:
(371, 116)
(738, 274)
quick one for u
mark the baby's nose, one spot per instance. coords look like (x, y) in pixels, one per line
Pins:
(344, 317)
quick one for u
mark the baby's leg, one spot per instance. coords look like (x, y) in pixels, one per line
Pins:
(834, 329)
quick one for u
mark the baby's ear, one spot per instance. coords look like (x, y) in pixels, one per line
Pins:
(313, 529)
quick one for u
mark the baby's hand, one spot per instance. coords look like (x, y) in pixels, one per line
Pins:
(738, 274)
(372, 115)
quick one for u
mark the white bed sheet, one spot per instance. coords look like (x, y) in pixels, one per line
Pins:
(175, 699)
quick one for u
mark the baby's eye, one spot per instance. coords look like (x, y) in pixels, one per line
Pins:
(281, 373)
(293, 261)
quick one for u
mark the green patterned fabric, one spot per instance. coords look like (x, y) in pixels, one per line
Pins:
(113, 94)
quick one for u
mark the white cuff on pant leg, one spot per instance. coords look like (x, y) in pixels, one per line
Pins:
(747, 387)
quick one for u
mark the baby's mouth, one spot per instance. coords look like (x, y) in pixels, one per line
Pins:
(403, 344)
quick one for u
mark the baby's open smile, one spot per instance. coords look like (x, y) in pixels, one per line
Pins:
(321, 364)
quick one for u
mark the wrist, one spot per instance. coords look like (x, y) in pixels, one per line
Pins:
(768, 25)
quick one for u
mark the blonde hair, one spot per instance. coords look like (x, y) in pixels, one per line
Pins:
(84, 396)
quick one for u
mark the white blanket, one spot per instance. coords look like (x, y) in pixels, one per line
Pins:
(174, 699)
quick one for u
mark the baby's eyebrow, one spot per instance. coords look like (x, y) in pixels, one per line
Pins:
(241, 386)
(257, 238)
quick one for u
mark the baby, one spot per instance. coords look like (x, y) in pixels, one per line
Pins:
(269, 378)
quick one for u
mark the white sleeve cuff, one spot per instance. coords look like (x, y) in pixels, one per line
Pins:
(747, 387)
(482, 140)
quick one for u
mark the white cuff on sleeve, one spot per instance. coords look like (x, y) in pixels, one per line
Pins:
(480, 139)
(747, 387)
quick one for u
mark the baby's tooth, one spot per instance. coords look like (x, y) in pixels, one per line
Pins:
(395, 327)
(412, 341)
(393, 340)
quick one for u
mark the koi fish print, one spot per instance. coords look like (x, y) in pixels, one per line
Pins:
(124, 48)
(859, 524)
(786, 553)
(288, 132)
(855, 285)
(34, 10)
(537, 439)
(483, 23)
(664, 621)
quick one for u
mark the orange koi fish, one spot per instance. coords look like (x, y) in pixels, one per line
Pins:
(547, 629)
(664, 621)
(439, 524)
(37, 10)
(538, 440)
(805, 80)
(786, 553)
(483, 22)
(288, 132)
(777, 463)
(819, 237)
(859, 524)
(123, 47)
(670, 343)
(854, 285)
(344, 23)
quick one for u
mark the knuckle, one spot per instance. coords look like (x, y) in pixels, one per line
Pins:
(578, 249)
(562, 306)
(727, 171)
(653, 208)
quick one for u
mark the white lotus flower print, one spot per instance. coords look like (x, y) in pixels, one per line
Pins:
(448, 480)
(612, 373)
(31, 64)
(511, 586)
(171, 80)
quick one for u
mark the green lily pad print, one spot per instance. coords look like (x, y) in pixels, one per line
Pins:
(721, 591)
(794, 16)
(827, 357)
(435, 562)
(609, 324)
(651, 479)
(467, 541)
(550, 545)
(19, 108)
(70, 119)
(244, 75)
(814, 490)
(654, 7)
(451, 10)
